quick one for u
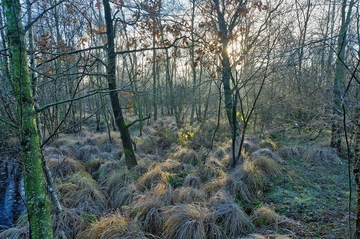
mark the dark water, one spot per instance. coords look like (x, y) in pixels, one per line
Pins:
(11, 191)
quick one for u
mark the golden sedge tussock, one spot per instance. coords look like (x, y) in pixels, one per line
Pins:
(108, 227)
(186, 221)
(264, 215)
(151, 178)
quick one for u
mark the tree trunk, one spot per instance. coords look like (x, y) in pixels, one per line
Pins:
(130, 157)
(37, 202)
(339, 75)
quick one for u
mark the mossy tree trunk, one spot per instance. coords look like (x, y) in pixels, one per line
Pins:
(130, 157)
(37, 202)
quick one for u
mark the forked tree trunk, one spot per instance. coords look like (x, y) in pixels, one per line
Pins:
(130, 157)
(37, 202)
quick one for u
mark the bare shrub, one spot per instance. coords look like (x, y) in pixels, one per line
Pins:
(110, 226)
(188, 195)
(232, 219)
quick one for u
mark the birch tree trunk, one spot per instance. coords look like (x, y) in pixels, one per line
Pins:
(37, 202)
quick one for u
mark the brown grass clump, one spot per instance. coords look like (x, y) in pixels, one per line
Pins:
(186, 221)
(267, 165)
(123, 196)
(106, 170)
(164, 192)
(111, 226)
(64, 167)
(221, 197)
(232, 219)
(268, 143)
(69, 223)
(289, 152)
(188, 195)
(19, 232)
(249, 146)
(324, 154)
(253, 177)
(86, 153)
(214, 185)
(148, 213)
(268, 153)
(151, 178)
(263, 216)
(212, 169)
(172, 166)
(81, 192)
(187, 156)
(192, 181)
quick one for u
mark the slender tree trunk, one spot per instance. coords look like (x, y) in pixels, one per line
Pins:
(130, 157)
(339, 75)
(37, 202)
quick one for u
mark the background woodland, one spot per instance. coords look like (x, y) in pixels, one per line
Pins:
(159, 88)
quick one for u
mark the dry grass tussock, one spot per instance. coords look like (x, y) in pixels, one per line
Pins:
(212, 168)
(192, 181)
(151, 178)
(188, 195)
(289, 152)
(123, 196)
(233, 219)
(268, 153)
(254, 178)
(148, 212)
(70, 222)
(111, 226)
(220, 197)
(81, 191)
(324, 154)
(188, 221)
(267, 165)
(187, 156)
(63, 168)
(106, 170)
(268, 143)
(86, 153)
(264, 216)
(18, 232)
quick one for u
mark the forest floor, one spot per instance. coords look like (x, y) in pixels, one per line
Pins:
(315, 193)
